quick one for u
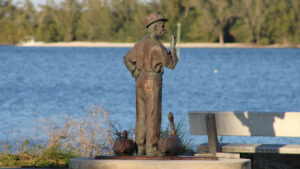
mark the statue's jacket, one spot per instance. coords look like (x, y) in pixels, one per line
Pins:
(149, 55)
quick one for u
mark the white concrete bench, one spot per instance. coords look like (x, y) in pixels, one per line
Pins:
(279, 124)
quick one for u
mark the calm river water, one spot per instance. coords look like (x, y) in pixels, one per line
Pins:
(38, 83)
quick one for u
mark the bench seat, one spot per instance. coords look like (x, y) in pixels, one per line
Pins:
(276, 124)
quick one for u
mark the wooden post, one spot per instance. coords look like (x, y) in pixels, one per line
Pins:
(178, 39)
(211, 127)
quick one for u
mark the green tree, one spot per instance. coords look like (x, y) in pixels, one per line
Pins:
(26, 20)
(66, 16)
(279, 26)
(174, 11)
(200, 29)
(254, 21)
(8, 25)
(48, 30)
(218, 12)
(253, 14)
(96, 21)
(177, 11)
(241, 32)
(296, 24)
(128, 19)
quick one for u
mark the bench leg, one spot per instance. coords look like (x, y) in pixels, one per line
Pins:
(213, 143)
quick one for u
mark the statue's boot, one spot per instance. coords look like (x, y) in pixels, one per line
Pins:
(155, 154)
(141, 151)
(153, 151)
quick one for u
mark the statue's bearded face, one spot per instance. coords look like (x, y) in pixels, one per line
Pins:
(160, 31)
(157, 29)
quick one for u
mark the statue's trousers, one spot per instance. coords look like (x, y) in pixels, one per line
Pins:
(148, 109)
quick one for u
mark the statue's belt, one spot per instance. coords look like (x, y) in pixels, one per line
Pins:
(150, 72)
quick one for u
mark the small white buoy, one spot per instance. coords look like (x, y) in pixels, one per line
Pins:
(216, 71)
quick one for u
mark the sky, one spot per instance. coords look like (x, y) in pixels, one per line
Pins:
(42, 2)
(35, 2)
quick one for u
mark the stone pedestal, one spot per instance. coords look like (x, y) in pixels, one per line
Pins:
(91, 163)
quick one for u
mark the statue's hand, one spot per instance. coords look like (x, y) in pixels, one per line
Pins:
(172, 42)
(135, 73)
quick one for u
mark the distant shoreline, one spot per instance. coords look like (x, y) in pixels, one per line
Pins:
(181, 45)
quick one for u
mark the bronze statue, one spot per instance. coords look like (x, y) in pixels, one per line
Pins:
(145, 61)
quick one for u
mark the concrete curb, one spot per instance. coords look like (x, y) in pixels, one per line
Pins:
(90, 163)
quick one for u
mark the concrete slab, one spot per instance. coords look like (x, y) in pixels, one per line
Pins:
(91, 163)
(220, 155)
(256, 148)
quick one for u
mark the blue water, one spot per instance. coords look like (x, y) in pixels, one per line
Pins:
(37, 83)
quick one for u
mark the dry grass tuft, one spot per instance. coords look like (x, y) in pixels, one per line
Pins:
(88, 135)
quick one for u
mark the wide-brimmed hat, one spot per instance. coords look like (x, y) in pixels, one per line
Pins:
(154, 17)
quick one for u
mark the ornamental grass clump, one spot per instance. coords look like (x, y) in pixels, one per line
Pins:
(37, 156)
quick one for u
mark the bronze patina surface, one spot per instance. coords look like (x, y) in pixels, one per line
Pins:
(145, 61)
(124, 146)
(154, 158)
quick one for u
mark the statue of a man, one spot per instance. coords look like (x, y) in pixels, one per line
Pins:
(145, 61)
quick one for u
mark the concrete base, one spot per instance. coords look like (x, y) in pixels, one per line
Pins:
(256, 148)
(91, 163)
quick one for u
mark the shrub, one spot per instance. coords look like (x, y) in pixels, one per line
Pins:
(84, 136)
(264, 41)
(38, 156)
(88, 135)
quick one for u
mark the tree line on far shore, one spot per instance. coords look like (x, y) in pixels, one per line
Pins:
(244, 21)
